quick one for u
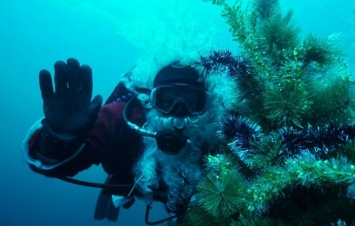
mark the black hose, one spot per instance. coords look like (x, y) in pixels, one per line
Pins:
(155, 222)
(92, 184)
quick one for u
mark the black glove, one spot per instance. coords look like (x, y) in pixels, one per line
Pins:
(69, 112)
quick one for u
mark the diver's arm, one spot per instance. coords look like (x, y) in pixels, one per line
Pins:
(52, 157)
(70, 116)
(49, 156)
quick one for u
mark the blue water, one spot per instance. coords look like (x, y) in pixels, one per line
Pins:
(34, 34)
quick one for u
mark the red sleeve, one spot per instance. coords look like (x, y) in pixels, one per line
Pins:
(111, 143)
(98, 146)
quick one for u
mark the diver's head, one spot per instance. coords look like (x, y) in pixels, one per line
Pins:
(179, 91)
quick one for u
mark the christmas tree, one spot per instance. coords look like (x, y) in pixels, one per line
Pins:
(289, 148)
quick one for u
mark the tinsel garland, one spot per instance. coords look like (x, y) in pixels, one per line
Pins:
(322, 141)
(223, 61)
(269, 195)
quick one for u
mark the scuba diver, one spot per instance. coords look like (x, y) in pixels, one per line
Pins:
(150, 136)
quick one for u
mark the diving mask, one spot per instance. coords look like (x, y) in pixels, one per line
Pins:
(185, 98)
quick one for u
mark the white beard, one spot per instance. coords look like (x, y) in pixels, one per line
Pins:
(180, 172)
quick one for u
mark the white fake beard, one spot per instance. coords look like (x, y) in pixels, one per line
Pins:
(179, 172)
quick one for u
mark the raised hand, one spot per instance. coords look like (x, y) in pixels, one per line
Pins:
(69, 112)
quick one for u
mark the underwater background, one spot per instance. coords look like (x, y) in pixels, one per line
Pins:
(34, 34)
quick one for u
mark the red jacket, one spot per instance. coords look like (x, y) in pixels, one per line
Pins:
(112, 143)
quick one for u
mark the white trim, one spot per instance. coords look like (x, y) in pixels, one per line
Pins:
(37, 163)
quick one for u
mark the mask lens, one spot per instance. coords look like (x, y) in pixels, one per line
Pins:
(164, 98)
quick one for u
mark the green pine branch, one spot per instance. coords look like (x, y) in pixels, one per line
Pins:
(286, 103)
(333, 97)
(319, 50)
(220, 193)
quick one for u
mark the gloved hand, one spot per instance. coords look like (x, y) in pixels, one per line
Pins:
(69, 112)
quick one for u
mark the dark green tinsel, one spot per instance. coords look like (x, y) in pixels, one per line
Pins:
(321, 141)
(240, 130)
(224, 61)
